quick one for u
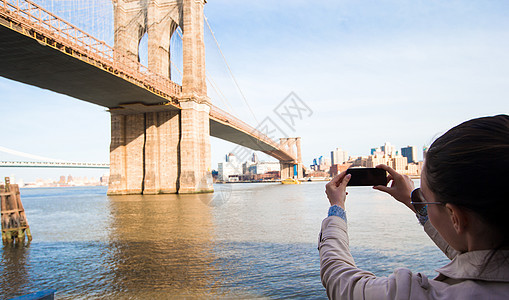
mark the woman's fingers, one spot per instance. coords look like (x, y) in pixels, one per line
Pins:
(336, 189)
(345, 181)
(383, 188)
(390, 170)
(389, 178)
(336, 180)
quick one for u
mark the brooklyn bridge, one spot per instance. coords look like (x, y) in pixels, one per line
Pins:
(160, 130)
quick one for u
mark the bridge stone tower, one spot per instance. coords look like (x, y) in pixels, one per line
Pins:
(162, 150)
(293, 147)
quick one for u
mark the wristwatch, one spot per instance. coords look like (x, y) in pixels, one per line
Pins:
(417, 198)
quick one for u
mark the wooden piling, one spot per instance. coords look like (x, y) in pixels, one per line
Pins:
(14, 220)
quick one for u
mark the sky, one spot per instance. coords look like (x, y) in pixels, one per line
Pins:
(370, 72)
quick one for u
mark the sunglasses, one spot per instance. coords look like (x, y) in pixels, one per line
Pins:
(418, 198)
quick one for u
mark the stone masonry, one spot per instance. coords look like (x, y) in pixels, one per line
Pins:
(292, 146)
(165, 151)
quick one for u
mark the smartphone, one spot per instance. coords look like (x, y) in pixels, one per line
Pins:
(367, 176)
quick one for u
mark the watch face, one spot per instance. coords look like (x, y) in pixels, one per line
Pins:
(418, 198)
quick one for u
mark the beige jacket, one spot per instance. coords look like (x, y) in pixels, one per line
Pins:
(460, 279)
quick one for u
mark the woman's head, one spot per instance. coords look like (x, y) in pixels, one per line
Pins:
(468, 167)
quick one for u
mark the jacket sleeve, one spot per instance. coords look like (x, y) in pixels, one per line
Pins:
(439, 240)
(343, 280)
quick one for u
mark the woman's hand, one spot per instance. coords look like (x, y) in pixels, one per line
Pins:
(336, 189)
(401, 187)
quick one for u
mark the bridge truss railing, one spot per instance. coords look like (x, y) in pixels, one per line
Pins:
(32, 164)
(256, 134)
(32, 20)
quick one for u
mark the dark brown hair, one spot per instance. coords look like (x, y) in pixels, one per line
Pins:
(469, 166)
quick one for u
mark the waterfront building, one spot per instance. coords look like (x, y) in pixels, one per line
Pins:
(315, 166)
(412, 169)
(338, 156)
(325, 164)
(360, 161)
(410, 152)
(263, 167)
(388, 149)
(230, 167)
(269, 176)
(104, 179)
(338, 168)
(375, 160)
(321, 164)
(399, 163)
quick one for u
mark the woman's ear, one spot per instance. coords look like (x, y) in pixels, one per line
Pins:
(458, 216)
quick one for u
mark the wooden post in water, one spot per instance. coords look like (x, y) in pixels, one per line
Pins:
(14, 220)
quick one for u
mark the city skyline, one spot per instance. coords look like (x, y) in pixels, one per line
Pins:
(251, 169)
(370, 73)
(234, 165)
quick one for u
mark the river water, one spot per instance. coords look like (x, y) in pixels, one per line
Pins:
(244, 241)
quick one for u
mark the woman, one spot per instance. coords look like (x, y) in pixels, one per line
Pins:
(464, 208)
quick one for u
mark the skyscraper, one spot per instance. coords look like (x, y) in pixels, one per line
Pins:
(338, 156)
(410, 152)
(389, 149)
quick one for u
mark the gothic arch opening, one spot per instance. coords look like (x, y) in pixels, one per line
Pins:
(143, 49)
(176, 54)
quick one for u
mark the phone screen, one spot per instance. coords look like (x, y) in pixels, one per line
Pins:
(367, 176)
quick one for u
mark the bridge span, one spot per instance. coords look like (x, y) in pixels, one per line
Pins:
(160, 130)
(37, 164)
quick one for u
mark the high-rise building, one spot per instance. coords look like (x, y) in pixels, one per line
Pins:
(375, 160)
(399, 163)
(410, 152)
(389, 149)
(338, 156)
(231, 166)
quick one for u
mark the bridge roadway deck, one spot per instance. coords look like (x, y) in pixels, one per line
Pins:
(27, 59)
(34, 164)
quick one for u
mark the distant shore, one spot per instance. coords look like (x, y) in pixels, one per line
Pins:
(301, 180)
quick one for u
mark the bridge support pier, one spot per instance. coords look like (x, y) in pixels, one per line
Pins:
(144, 153)
(291, 170)
(195, 173)
(162, 142)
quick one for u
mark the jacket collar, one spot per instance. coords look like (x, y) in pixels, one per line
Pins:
(470, 265)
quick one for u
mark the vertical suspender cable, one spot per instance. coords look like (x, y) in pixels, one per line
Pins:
(211, 81)
(230, 70)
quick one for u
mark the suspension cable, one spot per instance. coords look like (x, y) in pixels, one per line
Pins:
(211, 82)
(220, 93)
(230, 70)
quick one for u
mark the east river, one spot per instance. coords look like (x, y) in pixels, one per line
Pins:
(244, 241)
